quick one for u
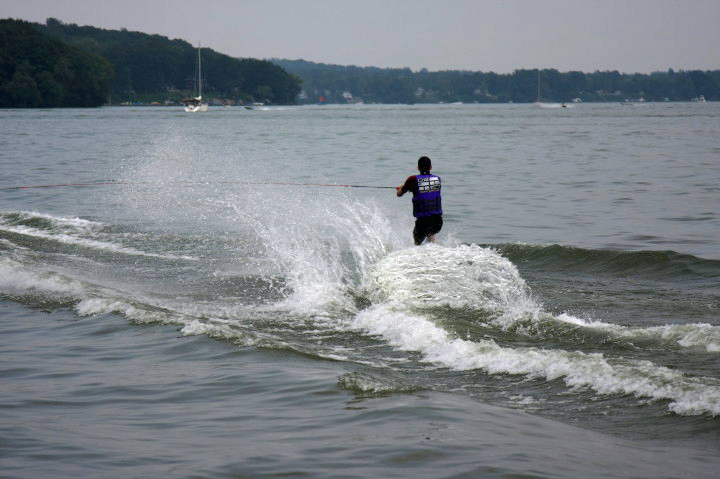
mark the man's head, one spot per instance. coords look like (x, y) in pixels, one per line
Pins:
(424, 165)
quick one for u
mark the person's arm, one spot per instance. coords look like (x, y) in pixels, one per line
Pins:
(401, 190)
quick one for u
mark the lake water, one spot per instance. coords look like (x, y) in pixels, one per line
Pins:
(198, 295)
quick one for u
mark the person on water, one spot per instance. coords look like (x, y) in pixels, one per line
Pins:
(427, 205)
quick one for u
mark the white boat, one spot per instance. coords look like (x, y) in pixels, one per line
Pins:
(196, 104)
(541, 104)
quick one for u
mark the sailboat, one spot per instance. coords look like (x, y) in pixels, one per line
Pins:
(539, 102)
(196, 104)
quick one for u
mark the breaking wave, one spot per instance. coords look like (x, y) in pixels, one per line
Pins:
(457, 306)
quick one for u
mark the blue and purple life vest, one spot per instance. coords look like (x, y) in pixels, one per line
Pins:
(427, 202)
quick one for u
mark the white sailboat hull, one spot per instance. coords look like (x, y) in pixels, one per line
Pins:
(196, 108)
(194, 105)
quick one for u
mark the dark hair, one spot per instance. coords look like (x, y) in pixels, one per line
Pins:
(424, 165)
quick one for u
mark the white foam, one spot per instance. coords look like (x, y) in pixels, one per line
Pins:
(459, 277)
(692, 335)
(106, 305)
(76, 223)
(575, 368)
(697, 335)
(90, 300)
(15, 278)
(12, 246)
(72, 236)
(407, 282)
(217, 329)
(322, 244)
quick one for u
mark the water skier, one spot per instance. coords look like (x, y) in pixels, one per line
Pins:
(427, 204)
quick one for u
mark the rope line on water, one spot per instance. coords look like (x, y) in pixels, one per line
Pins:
(161, 183)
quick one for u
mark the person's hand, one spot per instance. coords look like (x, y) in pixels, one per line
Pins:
(398, 190)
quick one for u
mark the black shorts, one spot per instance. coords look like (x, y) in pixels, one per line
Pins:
(427, 226)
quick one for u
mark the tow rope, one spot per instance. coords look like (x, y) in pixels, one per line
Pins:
(189, 183)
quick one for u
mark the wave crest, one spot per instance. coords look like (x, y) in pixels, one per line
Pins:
(462, 277)
(646, 264)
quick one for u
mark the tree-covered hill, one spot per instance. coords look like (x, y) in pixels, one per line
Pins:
(342, 84)
(155, 66)
(37, 70)
(58, 64)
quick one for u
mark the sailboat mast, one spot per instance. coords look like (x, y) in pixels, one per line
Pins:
(195, 104)
(199, 74)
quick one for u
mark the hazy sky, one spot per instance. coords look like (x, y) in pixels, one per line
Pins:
(486, 35)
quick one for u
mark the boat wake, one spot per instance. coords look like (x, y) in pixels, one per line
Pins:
(350, 291)
(417, 293)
